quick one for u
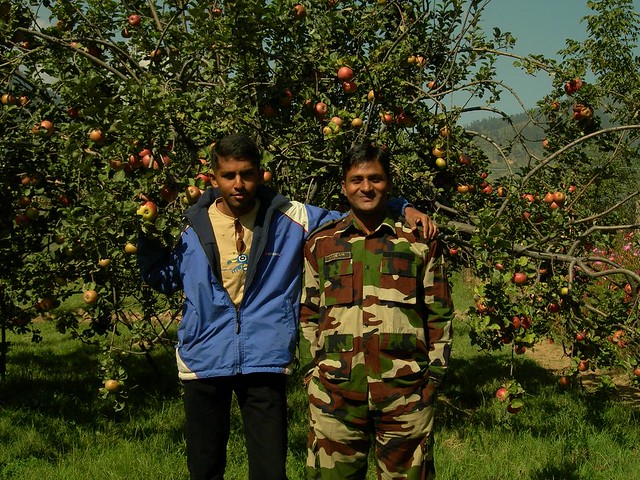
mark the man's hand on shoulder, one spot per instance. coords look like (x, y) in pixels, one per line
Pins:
(416, 218)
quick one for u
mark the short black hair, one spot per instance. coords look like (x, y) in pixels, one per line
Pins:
(366, 152)
(236, 145)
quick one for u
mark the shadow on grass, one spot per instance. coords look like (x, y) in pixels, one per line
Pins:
(65, 386)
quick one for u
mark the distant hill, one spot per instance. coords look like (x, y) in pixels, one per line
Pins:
(503, 132)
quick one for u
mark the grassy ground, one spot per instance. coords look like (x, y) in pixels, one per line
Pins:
(54, 425)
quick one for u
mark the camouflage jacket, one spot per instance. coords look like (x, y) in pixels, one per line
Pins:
(376, 315)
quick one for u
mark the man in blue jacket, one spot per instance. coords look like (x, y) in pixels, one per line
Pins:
(239, 263)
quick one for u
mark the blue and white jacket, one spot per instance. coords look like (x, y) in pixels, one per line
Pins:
(214, 338)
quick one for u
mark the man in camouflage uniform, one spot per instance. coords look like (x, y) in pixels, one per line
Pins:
(375, 334)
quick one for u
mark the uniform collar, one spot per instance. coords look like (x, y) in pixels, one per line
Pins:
(349, 225)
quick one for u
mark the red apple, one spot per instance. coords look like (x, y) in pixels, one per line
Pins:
(502, 394)
(134, 19)
(583, 365)
(299, 11)
(519, 278)
(553, 307)
(321, 109)
(349, 87)
(581, 336)
(345, 74)
(96, 136)
(564, 381)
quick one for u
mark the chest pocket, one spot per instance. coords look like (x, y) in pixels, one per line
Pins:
(398, 277)
(337, 279)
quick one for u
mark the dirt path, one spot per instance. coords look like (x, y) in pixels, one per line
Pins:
(551, 357)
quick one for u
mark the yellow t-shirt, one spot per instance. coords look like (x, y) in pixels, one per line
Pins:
(233, 264)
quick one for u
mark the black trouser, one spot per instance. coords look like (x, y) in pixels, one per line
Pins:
(263, 404)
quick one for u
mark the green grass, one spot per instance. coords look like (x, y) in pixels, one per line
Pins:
(54, 425)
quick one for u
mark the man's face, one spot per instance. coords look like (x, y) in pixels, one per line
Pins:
(238, 180)
(366, 186)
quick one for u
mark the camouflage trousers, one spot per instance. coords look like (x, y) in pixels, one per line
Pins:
(342, 429)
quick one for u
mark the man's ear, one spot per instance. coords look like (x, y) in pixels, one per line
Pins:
(342, 189)
(212, 179)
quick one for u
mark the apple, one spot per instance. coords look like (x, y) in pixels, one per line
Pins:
(96, 136)
(583, 365)
(514, 408)
(487, 189)
(73, 112)
(267, 176)
(636, 371)
(216, 11)
(269, 111)
(445, 132)
(564, 291)
(464, 159)
(327, 130)
(148, 211)
(553, 307)
(356, 123)
(564, 381)
(502, 394)
(411, 59)
(349, 87)
(520, 350)
(46, 128)
(321, 109)
(125, 33)
(22, 220)
(116, 164)
(345, 74)
(32, 213)
(438, 151)
(386, 118)
(581, 336)
(112, 385)
(431, 84)
(420, 61)
(193, 193)
(90, 296)
(168, 193)
(529, 197)
(441, 162)
(149, 162)
(516, 322)
(546, 144)
(559, 197)
(525, 321)
(617, 336)
(104, 262)
(519, 278)
(572, 86)
(134, 19)
(548, 198)
(502, 192)
(453, 251)
(299, 11)
(286, 98)
(155, 55)
(337, 121)
(8, 99)
(371, 96)
(499, 267)
(405, 120)
(130, 248)
(572, 188)
(462, 188)
(46, 304)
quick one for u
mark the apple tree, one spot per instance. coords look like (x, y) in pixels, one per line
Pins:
(109, 111)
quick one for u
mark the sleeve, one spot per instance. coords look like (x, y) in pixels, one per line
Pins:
(309, 311)
(159, 265)
(438, 312)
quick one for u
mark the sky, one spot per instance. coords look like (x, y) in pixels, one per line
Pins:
(539, 26)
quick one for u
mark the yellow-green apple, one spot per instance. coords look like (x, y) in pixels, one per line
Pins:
(148, 211)
(90, 296)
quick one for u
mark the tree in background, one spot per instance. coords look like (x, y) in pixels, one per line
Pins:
(109, 111)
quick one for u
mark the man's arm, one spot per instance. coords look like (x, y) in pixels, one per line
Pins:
(439, 313)
(158, 265)
(309, 311)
